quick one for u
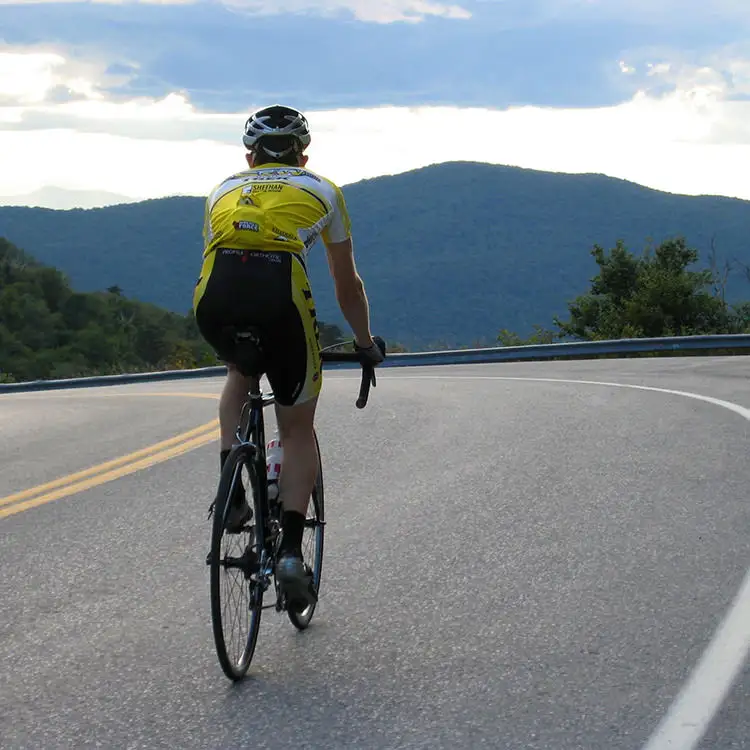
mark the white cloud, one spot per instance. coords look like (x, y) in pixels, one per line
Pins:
(33, 75)
(727, 72)
(675, 13)
(688, 140)
(654, 11)
(26, 78)
(378, 11)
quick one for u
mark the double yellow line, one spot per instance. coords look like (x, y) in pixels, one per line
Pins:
(106, 472)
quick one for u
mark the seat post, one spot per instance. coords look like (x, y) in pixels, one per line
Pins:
(248, 357)
(254, 387)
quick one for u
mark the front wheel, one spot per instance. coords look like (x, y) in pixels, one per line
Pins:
(236, 592)
(312, 544)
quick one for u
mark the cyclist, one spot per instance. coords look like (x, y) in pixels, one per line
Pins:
(259, 226)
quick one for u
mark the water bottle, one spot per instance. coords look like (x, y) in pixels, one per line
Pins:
(274, 455)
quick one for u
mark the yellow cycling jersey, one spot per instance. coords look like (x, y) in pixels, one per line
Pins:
(275, 207)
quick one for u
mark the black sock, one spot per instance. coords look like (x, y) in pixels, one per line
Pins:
(223, 458)
(293, 524)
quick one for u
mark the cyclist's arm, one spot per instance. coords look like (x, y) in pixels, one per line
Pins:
(350, 290)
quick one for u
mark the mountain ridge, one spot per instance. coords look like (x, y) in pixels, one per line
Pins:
(61, 199)
(450, 253)
(70, 193)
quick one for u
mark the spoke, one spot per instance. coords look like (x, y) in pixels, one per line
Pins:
(234, 589)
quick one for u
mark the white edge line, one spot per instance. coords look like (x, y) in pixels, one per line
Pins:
(736, 408)
(702, 695)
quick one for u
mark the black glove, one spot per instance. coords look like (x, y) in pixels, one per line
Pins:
(373, 354)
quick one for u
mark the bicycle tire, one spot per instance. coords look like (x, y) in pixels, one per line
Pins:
(315, 521)
(235, 668)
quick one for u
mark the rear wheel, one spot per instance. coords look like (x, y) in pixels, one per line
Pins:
(312, 544)
(236, 593)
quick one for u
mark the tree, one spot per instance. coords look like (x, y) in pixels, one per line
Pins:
(54, 287)
(652, 295)
(742, 317)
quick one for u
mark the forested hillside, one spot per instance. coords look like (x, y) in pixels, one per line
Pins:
(47, 330)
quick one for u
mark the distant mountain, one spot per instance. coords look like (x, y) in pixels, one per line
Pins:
(62, 198)
(449, 253)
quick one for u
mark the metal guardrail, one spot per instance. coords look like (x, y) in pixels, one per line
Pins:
(580, 349)
(525, 353)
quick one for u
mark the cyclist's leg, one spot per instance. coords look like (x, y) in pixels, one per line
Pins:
(299, 468)
(298, 474)
(233, 397)
(213, 311)
(295, 376)
(296, 415)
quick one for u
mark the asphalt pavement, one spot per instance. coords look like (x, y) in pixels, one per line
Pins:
(510, 562)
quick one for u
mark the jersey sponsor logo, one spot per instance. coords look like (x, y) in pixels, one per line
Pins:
(277, 173)
(310, 236)
(305, 173)
(265, 255)
(263, 187)
(283, 234)
(245, 254)
(246, 226)
(273, 175)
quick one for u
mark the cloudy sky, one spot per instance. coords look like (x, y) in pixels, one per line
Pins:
(143, 99)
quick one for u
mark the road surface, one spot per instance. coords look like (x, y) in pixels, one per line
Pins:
(513, 560)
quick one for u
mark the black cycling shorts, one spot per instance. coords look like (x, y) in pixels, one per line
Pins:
(269, 291)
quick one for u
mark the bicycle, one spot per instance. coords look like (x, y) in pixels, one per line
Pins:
(256, 545)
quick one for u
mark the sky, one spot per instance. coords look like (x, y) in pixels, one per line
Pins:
(133, 100)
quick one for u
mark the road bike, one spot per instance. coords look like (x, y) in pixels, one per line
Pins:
(242, 563)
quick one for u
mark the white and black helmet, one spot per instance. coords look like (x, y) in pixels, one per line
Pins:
(280, 127)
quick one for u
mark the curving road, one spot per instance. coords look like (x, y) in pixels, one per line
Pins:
(510, 563)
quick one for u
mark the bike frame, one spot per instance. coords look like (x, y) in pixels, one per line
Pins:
(251, 437)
